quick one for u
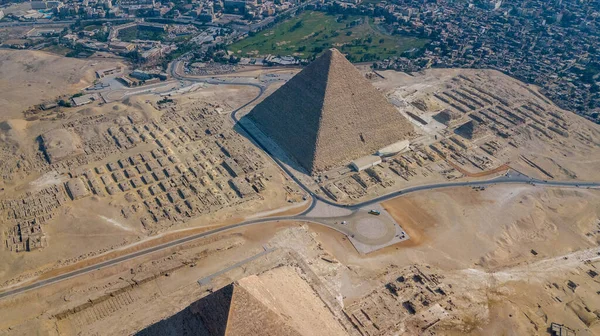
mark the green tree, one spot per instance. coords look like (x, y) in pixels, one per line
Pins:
(296, 26)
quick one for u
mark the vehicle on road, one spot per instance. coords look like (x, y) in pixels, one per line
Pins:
(374, 212)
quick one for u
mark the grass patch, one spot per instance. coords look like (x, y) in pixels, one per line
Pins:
(137, 33)
(92, 27)
(181, 38)
(311, 33)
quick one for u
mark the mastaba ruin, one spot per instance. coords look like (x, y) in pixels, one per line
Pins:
(329, 114)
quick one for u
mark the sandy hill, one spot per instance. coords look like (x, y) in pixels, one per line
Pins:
(31, 77)
(329, 114)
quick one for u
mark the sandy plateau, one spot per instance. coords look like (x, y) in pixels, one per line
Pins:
(28, 78)
(89, 184)
(82, 181)
(482, 269)
(515, 258)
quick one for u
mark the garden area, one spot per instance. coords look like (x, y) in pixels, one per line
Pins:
(310, 33)
(140, 33)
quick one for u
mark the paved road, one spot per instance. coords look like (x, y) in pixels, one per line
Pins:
(41, 23)
(153, 249)
(512, 177)
(206, 280)
(313, 197)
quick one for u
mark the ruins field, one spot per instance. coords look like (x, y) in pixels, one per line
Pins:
(260, 202)
(468, 125)
(93, 179)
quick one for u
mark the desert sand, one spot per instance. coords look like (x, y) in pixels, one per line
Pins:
(28, 78)
(505, 259)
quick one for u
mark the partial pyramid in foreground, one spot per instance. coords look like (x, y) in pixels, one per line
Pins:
(329, 114)
(233, 311)
(230, 311)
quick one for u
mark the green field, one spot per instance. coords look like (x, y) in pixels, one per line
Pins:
(92, 27)
(311, 33)
(136, 33)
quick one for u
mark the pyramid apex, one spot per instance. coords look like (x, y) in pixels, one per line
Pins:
(329, 114)
(333, 51)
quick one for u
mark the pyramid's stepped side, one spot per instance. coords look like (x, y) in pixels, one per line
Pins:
(214, 309)
(329, 114)
(357, 119)
(290, 115)
(249, 317)
(471, 130)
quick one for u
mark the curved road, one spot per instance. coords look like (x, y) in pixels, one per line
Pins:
(173, 70)
(511, 177)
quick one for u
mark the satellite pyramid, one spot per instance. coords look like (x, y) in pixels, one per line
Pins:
(329, 114)
(448, 117)
(471, 130)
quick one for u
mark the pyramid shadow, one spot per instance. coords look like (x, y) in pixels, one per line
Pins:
(205, 317)
(244, 128)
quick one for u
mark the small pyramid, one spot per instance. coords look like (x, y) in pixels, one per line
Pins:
(471, 130)
(329, 114)
(448, 117)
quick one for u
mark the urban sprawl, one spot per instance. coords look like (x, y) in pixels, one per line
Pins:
(552, 44)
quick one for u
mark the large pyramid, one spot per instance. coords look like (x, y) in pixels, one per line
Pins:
(329, 114)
